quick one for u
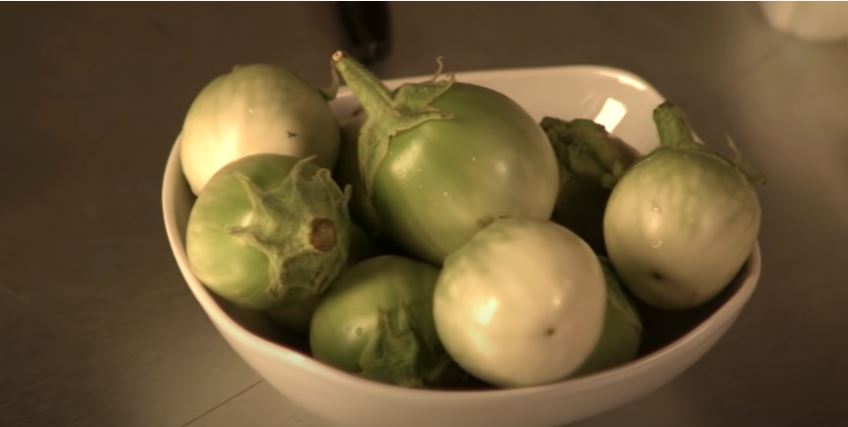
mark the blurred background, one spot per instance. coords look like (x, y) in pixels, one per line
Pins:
(97, 326)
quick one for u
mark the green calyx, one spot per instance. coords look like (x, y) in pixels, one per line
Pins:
(400, 353)
(389, 113)
(675, 133)
(586, 151)
(591, 161)
(391, 354)
(303, 228)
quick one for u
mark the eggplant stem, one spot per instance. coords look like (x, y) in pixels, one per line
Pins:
(374, 96)
(672, 127)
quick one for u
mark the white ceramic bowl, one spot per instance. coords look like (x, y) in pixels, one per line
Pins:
(622, 102)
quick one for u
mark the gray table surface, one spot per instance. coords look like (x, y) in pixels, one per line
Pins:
(98, 328)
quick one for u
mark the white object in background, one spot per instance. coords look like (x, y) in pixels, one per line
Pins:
(809, 20)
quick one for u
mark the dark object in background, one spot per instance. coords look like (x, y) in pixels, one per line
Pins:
(367, 28)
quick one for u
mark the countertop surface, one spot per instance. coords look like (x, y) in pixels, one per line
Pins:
(97, 327)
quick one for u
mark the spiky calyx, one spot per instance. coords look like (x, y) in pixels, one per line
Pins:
(389, 112)
(675, 133)
(303, 228)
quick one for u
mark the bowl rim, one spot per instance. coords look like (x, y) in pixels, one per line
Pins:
(227, 326)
